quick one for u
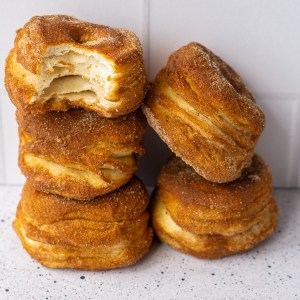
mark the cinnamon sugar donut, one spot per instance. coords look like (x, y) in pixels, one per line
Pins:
(60, 62)
(78, 154)
(211, 220)
(107, 232)
(202, 110)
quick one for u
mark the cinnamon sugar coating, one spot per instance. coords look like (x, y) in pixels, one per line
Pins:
(78, 154)
(108, 232)
(202, 110)
(59, 62)
(212, 220)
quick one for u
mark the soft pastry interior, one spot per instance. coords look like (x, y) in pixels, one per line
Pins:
(59, 62)
(67, 72)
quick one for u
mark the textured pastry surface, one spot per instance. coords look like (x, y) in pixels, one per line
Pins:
(212, 245)
(77, 153)
(60, 62)
(211, 220)
(202, 110)
(107, 232)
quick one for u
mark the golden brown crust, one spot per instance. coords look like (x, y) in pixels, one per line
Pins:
(198, 75)
(44, 37)
(82, 232)
(201, 206)
(126, 203)
(212, 220)
(84, 126)
(16, 85)
(41, 32)
(202, 110)
(79, 154)
(93, 258)
(213, 245)
(107, 232)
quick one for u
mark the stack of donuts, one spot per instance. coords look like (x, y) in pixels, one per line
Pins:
(77, 88)
(215, 198)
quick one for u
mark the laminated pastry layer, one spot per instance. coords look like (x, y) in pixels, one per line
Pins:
(212, 220)
(201, 206)
(77, 153)
(212, 245)
(200, 107)
(107, 232)
(60, 62)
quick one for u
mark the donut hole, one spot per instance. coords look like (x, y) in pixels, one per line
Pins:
(83, 38)
(75, 36)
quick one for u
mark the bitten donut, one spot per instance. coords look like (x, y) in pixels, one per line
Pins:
(211, 220)
(59, 62)
(78, 154)
(202, 110)
(107, 232)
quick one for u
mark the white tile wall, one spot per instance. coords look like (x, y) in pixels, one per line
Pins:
(259, 38)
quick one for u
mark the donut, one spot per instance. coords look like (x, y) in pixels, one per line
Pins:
(202, 110)
(108, 232)
(77, 153)
(60, 62)
(212, 220)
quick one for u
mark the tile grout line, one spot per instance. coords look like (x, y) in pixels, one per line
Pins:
(293, 159)
(2, 158)
(148, 32)
(297, 153)
(145, 33)
(277, 96)
(296, 147)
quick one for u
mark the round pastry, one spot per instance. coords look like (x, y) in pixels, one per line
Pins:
(107, 232)
(60, 62)
(78, 154)
(211, 220)
(202, 110)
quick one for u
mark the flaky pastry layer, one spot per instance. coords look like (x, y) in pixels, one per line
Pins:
(212, 245)
(77, 153)
(60, 62)
(108, 232)
(202, 110)
(202, 207)
(83, 258)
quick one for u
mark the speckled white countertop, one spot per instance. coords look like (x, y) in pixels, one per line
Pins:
(270, 271)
